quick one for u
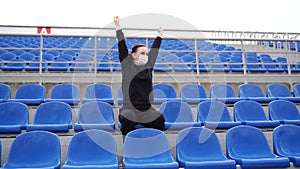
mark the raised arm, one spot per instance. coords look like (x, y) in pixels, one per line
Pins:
(155, 46)
(123, 50)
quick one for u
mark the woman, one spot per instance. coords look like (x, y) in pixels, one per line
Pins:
(137, 86)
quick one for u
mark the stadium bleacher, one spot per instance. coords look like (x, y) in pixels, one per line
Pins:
(76, 78)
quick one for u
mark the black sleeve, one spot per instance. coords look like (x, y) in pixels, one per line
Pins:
(123, 50)
(154, 50)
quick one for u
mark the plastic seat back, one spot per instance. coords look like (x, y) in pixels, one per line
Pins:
(96, 113)
(248, 110)
(215, 111)
(247, 142)
(176, 112)
(157, 150)
(69, 93)
(296, 90)
(250, 90)
(13, 117)
(28, 150)
(53, 113)
(192, 91)
(164, 91)
(102, 92)
(92, 147)
(194, 143)
(283, 110)
(31, 93)
(5, 92)
(286, 142)
(221, 91)
(278, 90)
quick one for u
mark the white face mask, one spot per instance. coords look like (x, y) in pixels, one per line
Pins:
(143, 59)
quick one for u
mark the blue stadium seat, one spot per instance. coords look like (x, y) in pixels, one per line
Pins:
(164, 92)
(296, 90)
(27, 57)
(178, 115)
(95, 149)
(284, 111)
(52, 116)
(180, 66)
(80, 65)
(13, 117)
(30, 94)
(253, 65)
(249, 147)
(280, 91)
(14, 65)
(218, 66)
(251, 113)
(59, 65)
(198, 147)
(286, 139)
(5, 92)
(7, 56)
(162, 67)
(35, 66)
(95, 115)
(282, 63)
(295, 67)
(156, 154)
(253, 92)
(120, 96)
(235, 64)
(269, 64)
(98, 92)
(215, 115)
(193, 93)
(36, 149)
(224, 93)
(68, 93)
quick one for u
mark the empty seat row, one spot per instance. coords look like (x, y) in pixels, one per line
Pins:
(196, 147)
(57, 116)
(35, 94)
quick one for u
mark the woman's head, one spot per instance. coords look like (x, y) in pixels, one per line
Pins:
(139, 54)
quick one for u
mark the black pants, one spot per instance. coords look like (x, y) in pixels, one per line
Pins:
(150, 118)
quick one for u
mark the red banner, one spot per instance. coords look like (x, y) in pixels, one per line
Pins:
(43, 30)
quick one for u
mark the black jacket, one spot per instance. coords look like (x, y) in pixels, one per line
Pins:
(137, 80)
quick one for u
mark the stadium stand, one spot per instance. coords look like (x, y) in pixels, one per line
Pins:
(196, 60)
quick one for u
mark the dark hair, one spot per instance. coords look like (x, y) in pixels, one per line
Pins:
(135, 47)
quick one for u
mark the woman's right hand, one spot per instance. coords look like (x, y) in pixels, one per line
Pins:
(117, 22)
